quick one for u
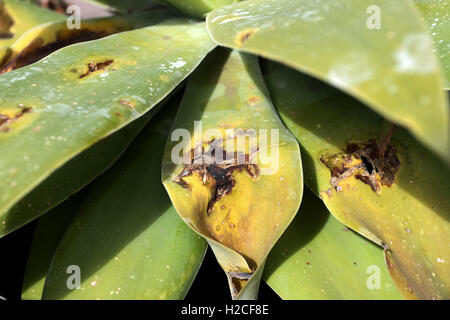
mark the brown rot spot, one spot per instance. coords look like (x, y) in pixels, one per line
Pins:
(217, 172)
(6, 22)
(6, 120)
(127, 103)
(245, 35)
(37, 49)
(365, 162)
(93, 67)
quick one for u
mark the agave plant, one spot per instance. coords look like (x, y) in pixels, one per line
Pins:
(346, 98)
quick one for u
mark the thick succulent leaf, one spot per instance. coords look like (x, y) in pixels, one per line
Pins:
(125, 6)
(435, 13)
(410, 218)
(49, 231)
(319, 258)
(242, 203)
(196, 8)
(392, 69)
(49, 37)
(126, 238)
(17, 17)
(61, 105)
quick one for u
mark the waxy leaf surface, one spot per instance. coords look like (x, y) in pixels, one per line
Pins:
(399, 201)
(392, 69)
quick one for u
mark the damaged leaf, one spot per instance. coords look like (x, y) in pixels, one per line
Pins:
(44, 39)
(410, 218)
(392, 69)
(319, 258)
(196, 8)
(235, 177)
(49, 231)
(20, 16)
(69, 114)
(6, 22)
(126, 238)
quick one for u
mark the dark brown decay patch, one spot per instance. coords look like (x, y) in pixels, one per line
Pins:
(93, 67)
(375, 168)
(220, 175)
(6, 120)
(36, 50)
(6, 22)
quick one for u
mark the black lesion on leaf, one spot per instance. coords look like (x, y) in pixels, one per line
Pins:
(6, 120)
(218, 174)
(375, 168)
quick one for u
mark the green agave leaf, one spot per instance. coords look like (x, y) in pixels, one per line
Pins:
(197, 8)
(191, 8)
(243, 202)
(49, 232)
(44, 39)
(435, 13)
(392, 69)
(56, 108)
(126, 238)
(17, 17)
(402, 205)
(319, 258)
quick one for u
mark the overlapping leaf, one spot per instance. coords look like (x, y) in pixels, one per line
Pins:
(17, 17)
(127, 239)
(319, 258)
(357, 46)
(238, 193)
(398, 200)
(58, 107)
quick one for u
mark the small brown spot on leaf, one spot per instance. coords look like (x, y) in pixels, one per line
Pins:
(93, 67)
(253, 100)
